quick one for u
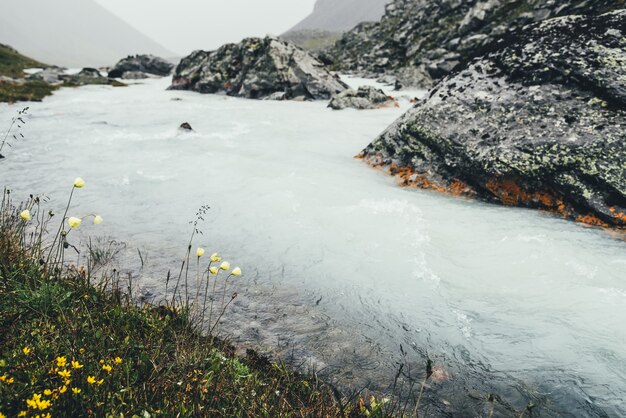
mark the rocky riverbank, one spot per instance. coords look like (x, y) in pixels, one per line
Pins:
(537, 122)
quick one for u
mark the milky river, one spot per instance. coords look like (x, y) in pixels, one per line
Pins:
(345, 273)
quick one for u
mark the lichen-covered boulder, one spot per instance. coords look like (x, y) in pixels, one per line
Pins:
(146, 64)
(257, 68)
(422, 41)
(366, 97)
(540, 122)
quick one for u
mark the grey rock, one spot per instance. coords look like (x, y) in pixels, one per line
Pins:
(148, 64)
(256, 69)
(538, 122)
(135, 75)
(85, 77)
(51, 75)
(365, 97)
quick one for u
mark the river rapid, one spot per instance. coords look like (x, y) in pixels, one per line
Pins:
(345, 273)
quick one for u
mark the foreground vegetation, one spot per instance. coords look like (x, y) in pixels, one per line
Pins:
(73, 344)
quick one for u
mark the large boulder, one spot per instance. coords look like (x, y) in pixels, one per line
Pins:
(257, 68)
(540, 122)
(145, 64)
(431, 38)
(366, 97)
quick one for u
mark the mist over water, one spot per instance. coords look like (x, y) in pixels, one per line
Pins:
(341, 266)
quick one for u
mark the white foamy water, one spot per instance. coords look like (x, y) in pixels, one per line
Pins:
(341, 265)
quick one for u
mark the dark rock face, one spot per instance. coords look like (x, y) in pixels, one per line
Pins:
(366, 97)
(147, 64)
(540, 122)
(257, 69)
(424, 40)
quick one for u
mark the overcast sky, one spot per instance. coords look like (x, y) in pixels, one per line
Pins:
(185, 25)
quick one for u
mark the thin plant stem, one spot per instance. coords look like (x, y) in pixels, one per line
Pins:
(67, 208)
(212, 300)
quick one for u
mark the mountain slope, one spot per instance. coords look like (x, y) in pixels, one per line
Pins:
(13, 64)
(424, 40)
(73, 33)
(341, 15)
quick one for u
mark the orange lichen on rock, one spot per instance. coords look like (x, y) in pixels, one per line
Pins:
(618, 215)
(592, 220)
(408, 177)
(510, 193)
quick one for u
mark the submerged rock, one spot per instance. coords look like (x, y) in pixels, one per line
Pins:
(422, 41)
(257, 68)
(540, 122)
(366, 97)
(185, 126)
(146, 64)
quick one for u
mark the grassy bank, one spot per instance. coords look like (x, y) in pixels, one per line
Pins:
(73, 342)
(13, 64)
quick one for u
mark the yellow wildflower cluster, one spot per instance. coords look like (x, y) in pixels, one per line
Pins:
(6, 379)
(37, 403)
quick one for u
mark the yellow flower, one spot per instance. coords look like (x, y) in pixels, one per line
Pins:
(3, 416)
(61, 361)
(47, 392)
(26, 350)
(76, 365)
(79, 183)
(74, 222)
(118, 360)
(22, 414)
(43, 405)
(107, 367)
(215, 258)
(76, 391)
(91, 380)
(213, 270)
(67, 382)
(236, 272)
(98, 220)
(10, 380)
(99, 382)
(3, 378)
(225, 265)
(66, 374)
(199, 252)
(63, 389)
(25, 215)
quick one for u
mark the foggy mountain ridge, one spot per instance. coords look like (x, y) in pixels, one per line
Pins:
(71, 33)
(341, 15)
